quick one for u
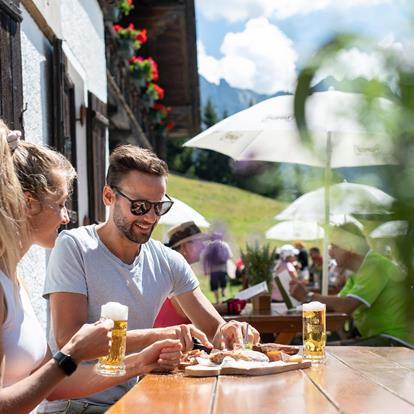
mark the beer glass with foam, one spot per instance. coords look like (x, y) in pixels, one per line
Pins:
(113, 364)
(314, 331)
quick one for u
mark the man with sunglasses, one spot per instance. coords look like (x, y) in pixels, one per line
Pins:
(118, 261)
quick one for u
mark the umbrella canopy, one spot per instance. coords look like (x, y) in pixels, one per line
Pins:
(340, 137)
(305, 230)
(180, 213)
(267, 132)
(390, 229)
(346, 199)
(295, 230)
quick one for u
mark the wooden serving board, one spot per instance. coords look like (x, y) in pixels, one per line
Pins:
(271, 368)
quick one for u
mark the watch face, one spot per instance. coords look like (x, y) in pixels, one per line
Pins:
(65, 362)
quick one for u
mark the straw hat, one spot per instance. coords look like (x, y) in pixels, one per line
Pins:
(183, 233)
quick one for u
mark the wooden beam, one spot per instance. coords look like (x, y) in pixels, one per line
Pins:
(39, 19)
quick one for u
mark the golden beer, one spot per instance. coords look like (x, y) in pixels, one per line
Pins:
(113, 363)
(314, 331)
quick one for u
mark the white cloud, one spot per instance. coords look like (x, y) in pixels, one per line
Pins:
(354, 62)
(241, 10)
(208, 66)
(261, 58)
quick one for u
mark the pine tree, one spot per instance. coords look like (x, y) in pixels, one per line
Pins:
(211, 165)
(209, 114)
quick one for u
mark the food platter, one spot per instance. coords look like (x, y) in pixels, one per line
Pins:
(267, 359)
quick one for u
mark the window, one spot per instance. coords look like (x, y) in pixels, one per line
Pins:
(11, 90)
(97, 124)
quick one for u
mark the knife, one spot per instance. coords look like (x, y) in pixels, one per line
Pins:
(198, 345)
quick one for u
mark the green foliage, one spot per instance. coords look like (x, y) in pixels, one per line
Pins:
(398, 121)
(210, 116)
(259, 261)
(211, 165)
(179, 158)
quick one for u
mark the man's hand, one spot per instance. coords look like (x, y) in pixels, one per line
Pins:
(297, 289)
(185, 334)
(231, 335)
(161, 356)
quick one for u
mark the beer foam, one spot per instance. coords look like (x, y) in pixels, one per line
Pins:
(114, 311)
(314, 306)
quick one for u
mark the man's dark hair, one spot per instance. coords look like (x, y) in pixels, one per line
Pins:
(127, 158)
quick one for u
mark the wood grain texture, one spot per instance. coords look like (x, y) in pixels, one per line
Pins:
(353, 380)
(291, 392)
(166, 394)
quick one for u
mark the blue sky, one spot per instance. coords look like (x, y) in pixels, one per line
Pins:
(261, 44)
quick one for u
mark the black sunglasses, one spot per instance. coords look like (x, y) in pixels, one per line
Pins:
(141, 207)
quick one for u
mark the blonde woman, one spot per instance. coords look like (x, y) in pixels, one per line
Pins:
(34, 185)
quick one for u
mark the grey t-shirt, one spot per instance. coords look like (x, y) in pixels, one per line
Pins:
(81, 263)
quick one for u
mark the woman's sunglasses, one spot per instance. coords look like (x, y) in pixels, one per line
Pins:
(141, 207)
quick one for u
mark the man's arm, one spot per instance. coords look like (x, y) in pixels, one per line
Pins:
(344, 304)
(205, 317)
(70, 311)
(201, 312)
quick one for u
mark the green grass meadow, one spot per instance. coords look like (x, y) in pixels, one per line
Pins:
(244, 215)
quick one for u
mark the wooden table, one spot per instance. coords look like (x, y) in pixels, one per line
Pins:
(353, 380)
(284, 326)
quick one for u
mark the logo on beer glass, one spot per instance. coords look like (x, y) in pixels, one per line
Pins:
(314, 331)
(113, 364)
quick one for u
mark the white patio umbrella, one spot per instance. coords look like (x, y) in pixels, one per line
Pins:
(181, 212)
(345, 199)
(267, 132)
(390, 229)
(295, 230)
(305, 230)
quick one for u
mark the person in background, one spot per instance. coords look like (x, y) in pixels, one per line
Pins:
(34, 184)
(315, 269)
(188, 240)
(215, 258)
(375, 294)
(302, 258)
(287, 258)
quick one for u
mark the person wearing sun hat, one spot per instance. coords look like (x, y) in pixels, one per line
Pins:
(375, 294)
(187, 239)
(287, 256)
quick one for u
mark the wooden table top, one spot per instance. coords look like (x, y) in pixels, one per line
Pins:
(353, 380)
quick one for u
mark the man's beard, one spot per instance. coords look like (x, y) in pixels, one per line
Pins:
(127, 228)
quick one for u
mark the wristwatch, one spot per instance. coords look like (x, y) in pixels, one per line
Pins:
(65, 362)
(309, 297)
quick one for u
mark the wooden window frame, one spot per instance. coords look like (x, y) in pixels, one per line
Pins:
(11, 81)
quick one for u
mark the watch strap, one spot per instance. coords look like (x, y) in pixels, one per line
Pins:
(65, 362)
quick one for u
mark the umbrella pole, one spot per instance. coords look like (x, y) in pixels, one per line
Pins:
(327, 180)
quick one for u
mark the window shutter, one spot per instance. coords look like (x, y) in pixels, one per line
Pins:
(64, 122)
(97, 124)
(11, 88)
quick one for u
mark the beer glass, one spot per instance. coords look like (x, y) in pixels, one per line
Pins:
(113, 364)
(314, 331)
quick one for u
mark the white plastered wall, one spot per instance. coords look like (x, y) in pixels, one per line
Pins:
(79, 23)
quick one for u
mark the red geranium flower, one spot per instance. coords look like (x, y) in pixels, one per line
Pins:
(159, 90)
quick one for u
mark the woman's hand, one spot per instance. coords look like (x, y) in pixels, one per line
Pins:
(161, 355)
(90, 342)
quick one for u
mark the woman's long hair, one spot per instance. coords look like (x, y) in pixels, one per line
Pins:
(13, 222)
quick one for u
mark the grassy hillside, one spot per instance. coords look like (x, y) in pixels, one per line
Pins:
(245, 215)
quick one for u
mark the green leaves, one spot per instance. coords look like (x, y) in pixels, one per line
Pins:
(259, 261)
